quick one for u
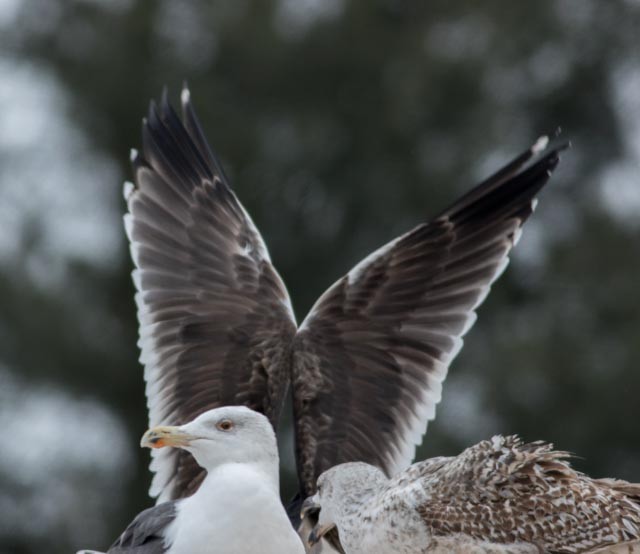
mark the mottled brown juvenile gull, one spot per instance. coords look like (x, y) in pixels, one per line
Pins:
(236, 509)
(499, 496)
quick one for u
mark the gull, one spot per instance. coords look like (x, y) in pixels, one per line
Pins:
(236, 509)
(500, 496)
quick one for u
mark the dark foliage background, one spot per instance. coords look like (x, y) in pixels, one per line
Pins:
(341, 124)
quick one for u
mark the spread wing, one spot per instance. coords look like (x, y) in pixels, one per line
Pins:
(370, 358)
(505, 491)
(216, 321)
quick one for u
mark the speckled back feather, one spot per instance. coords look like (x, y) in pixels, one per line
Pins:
(506, 491)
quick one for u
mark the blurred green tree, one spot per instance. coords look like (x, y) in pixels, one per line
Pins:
(342, 123)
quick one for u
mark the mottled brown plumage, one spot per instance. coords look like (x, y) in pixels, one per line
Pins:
(500, 495)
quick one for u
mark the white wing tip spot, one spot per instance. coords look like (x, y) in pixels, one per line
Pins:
(185, 96)
(136, 275)
(128, 226)
(517, 235)
(471, 319)
(133, 154)
(502, 266)
(127, 189)
(540, 144)
(534, 205)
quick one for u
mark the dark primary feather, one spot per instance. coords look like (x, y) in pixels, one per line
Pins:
(370, 357)
(215, 317)
(145, 534)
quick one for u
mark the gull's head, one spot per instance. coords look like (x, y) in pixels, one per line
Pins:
(231, 434)
(341, 492)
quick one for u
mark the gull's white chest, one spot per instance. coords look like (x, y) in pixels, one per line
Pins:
(233, 512)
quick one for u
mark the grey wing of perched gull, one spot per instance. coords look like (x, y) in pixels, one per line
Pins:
(145, 534)
(370, 358)
(216, 321)
(500, 496)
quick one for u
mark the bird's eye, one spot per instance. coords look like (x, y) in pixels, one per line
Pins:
(225, 425)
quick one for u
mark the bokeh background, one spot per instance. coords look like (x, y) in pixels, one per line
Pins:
(341, 124)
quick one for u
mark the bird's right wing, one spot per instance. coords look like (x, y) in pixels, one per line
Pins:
(370, 358)
(216, 321)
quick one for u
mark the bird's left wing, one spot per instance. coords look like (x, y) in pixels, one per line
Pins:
(216, 321)
(146, 533)
(370, 358)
